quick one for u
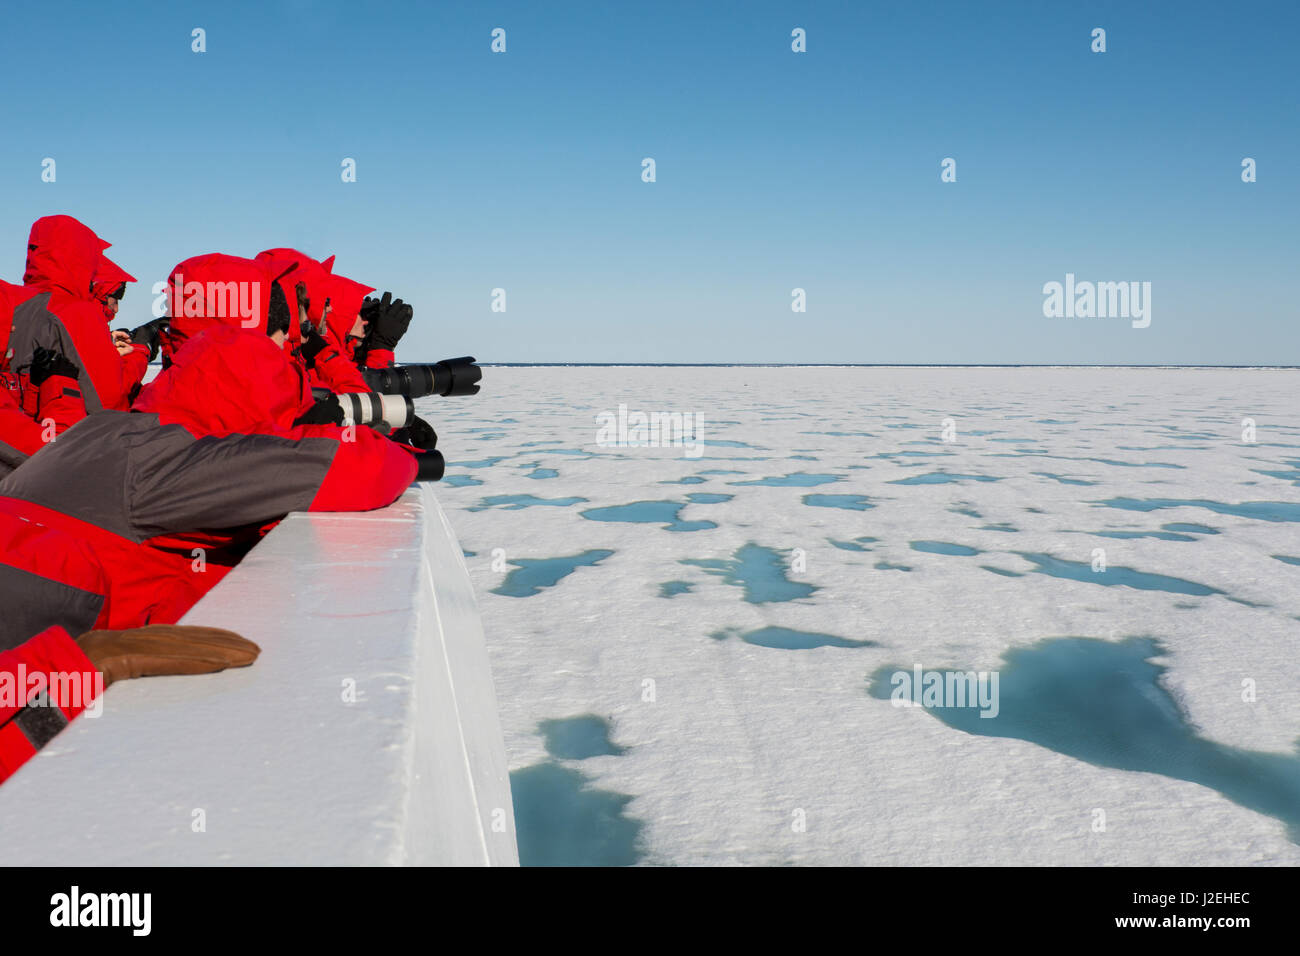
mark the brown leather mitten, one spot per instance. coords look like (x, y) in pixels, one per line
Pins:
(165, 649)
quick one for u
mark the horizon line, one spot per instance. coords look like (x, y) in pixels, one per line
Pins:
(862, 365)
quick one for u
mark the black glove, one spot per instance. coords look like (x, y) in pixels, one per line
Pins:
(148, 334)
(429, 466)
(369, 309)
(313, 343)
(388, 318)
(48, 362)
(325, 411)
(418, 434)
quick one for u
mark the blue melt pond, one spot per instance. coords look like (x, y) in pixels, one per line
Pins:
(670, 589)
(759, 571)
(533, 574)
(788, 639)
(666, 513)
(561, 820)
(577, 738)
(886, 566)
(543, 473)
(516, 502)
(857, 544)
(1261, 510)
(847, 502)
(1161, 535)
(1002, 571)
(798, 479)
(940, 478)
(1104, 703)
(943, 547)
(1062, 479)
(461, 481)
(1114, 576)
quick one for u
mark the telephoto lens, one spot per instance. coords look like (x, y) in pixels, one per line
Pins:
(457, 376)
(372, 408)
(367, 408)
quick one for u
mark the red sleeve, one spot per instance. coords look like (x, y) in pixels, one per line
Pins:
(336, 373)
(52, 650)
(107, 374)
(50, 653)
(379, 358)
(368, 470)
(60, 401)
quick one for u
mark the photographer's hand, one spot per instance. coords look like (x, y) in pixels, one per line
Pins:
(160, 649)
(389, 319)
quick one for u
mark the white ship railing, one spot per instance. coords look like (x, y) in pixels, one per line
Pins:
(366, 733)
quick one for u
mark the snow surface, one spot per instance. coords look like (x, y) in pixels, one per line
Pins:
(739, 737)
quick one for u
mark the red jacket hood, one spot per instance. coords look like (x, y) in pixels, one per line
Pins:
(63, 253)
(217, 289)
(108, 276)
(346, 296)
(228, 380)
(314, 274)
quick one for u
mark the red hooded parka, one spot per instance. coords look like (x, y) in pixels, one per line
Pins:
(170, 496)
(63, 256)
(58, 401)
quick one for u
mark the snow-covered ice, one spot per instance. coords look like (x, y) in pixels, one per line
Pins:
(674, 628)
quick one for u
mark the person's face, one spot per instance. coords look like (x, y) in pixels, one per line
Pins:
(111, 305)
(358, 330)
(279, 338)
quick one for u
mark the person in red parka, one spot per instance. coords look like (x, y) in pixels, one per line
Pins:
(63, 316)
(217, 289)
(47, 681)
(51, 380)
(311, 286)
(171, 495)
(109, 286)
(328, 347)
(345, 328)
(309, 273)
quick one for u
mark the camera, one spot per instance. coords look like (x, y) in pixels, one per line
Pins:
(371, 408)
(457, 376)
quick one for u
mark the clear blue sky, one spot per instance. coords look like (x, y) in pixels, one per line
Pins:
(775, 170)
